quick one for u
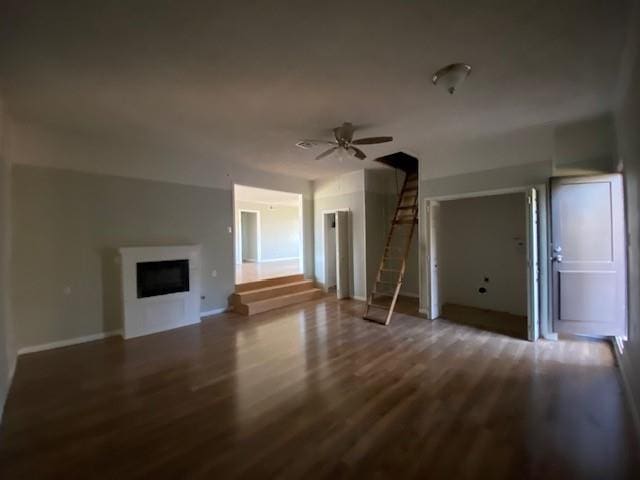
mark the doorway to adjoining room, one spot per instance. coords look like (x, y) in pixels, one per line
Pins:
(479, 258)
(268, 234)
(336, 258)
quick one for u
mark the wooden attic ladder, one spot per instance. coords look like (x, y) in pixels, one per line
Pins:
(384, 295)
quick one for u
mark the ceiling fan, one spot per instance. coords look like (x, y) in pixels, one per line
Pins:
(343, 141)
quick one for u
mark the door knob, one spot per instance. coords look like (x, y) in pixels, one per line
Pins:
(556, 258)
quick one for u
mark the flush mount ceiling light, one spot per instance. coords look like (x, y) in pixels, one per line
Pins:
(451, 76)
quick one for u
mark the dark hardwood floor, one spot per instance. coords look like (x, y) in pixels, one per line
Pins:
(313, 391)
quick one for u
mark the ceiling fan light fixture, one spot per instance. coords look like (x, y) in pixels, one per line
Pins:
(451, 76)
(344, 155)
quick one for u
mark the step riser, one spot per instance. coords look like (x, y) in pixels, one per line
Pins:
(278, 302)
(270, 282)
(272, 292)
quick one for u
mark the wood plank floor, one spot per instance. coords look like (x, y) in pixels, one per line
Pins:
(313, 391)
(254, 271)
(498, 322)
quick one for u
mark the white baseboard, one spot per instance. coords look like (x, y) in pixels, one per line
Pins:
(215, 311)
(631, 400)
(362, 299)
(278, 259)
(68, 342)
(423, 311)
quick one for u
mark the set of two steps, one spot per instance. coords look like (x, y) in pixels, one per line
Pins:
(264, 295)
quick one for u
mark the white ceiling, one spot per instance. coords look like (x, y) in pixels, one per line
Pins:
(267, 197)
(242, 81)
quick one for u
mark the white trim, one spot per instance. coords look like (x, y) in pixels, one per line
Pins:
(301, 242)
(481, 193)
(427, 202)
(361, 299)
(215, 311)
(533, 265)
(281, 259)
(631, 400)
(290, 204)
(364, 234)
(423, 311)
(69, 342)
(431, 283)
(234, 231)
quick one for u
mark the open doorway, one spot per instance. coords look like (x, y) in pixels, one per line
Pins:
(335, 235)
(249, 236)
(268, 234)
(482, 261)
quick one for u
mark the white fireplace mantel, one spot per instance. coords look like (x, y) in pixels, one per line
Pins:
(143, 316)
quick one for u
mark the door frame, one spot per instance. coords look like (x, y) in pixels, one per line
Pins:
(541, 289)
(258, 234)
(235, 231)
(323, 244)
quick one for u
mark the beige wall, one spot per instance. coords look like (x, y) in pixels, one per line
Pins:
(482, 238)
(152, 158)
(628, 128)
(67, 227)
(343, 192)
(7, 344)
(5, 357)
(279, 229)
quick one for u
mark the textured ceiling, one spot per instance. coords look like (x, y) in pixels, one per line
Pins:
(242, 81)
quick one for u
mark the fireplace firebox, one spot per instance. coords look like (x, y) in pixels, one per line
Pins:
(162, 278)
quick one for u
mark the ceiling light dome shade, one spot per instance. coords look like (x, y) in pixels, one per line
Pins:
(451, 76)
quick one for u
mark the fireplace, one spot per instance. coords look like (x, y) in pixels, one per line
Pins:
(160, 288)
(162, 278)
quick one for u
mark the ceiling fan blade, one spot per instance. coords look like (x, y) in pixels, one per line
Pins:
(359, 154)
(372, 140)
(308, 143)
(326, 153)
(315, 142)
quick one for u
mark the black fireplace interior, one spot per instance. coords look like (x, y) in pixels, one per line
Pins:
(162, 278)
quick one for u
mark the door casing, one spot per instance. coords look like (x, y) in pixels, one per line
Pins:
(538, 322)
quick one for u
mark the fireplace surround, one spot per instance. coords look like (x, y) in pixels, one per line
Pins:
(160, 288)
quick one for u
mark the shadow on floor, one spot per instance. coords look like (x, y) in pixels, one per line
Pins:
(497, 322)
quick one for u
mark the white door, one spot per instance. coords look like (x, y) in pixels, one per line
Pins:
(533, 266)
(342, 255)
(588, 255)
(434, 273)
